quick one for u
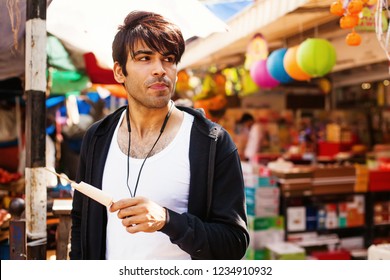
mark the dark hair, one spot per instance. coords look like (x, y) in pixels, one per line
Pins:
(158, 33)
(246, 117)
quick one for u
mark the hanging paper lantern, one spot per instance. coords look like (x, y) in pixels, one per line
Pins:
(316, 56)
(337, 8)
(349, 21)
(353, 39)
(261, 76)
(354, 7)
(275, 66)
(291, 65)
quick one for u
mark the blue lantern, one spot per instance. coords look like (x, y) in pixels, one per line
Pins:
(275, 66)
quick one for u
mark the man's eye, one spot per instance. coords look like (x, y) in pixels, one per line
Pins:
(170, 59)
(144, 58)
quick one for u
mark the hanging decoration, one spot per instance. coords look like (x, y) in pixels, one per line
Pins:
(325, 85)
(248, 85)
(367, 20)
(257, 49)
(261, 76)
(291, 65)
(353, 39)
(383, 36)
(351, 14)
(183, 84)
(275, 66)
(212, 98)
(232, 83)
(214, 107)
(316, 57)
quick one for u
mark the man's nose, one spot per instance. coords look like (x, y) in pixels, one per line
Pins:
(158, 68)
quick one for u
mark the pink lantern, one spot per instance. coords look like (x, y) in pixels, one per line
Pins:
(260, 75)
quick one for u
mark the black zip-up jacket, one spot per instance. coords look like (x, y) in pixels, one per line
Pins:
(223, 235)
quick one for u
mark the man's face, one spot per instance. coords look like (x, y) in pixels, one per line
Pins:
(151, 76)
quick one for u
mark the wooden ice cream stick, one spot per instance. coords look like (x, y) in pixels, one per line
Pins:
(88, 190)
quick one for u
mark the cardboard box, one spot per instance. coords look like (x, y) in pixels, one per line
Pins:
(256, 254)
(331, 255)
(296, 218)
(265, 230)
(379, 180)
(294, 173)
(285, 251)
(262, 201)
(333, 189)
(334, 171)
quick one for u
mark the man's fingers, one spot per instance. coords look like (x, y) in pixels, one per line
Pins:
(123, 203)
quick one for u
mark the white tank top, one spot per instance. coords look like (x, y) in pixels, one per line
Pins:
(165, 179)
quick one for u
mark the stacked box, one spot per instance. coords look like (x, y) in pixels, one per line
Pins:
(356, 211)
(361, 184)
(332, 180)
(248, 174)
(256, 254)
(263, 231)
(342, 214)
(379, 180)
(296, 181)
(285, 251)
(262, 201)
(296, 218)
(382, 212)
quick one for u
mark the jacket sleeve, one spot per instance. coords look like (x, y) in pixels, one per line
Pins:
(76, 213)
(224, 235)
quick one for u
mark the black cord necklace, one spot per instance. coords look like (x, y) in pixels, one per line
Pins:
(128, 148)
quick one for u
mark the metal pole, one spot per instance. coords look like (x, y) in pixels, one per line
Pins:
(17, 230)
(35, 87)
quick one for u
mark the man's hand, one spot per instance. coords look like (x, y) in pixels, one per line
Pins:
(140, 214)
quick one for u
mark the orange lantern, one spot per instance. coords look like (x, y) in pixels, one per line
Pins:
(353, 39)
(349, 21)
(291, 65)
(336, 8)
(355, 6)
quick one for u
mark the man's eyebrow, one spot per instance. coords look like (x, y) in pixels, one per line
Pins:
(150, 52)
(142, 52)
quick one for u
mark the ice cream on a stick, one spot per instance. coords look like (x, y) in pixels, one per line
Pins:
(87, 189)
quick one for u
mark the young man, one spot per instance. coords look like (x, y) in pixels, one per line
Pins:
(154, 159)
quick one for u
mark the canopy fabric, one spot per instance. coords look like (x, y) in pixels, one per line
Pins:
(270, 17)
(91, 25)
(12, 29)
(57, 55)
(225, 10)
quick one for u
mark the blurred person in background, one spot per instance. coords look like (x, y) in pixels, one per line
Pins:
(252, 133)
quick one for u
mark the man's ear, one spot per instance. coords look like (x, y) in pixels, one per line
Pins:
(118, 73)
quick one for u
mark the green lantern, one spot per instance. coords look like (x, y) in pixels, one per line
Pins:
(316, 57)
